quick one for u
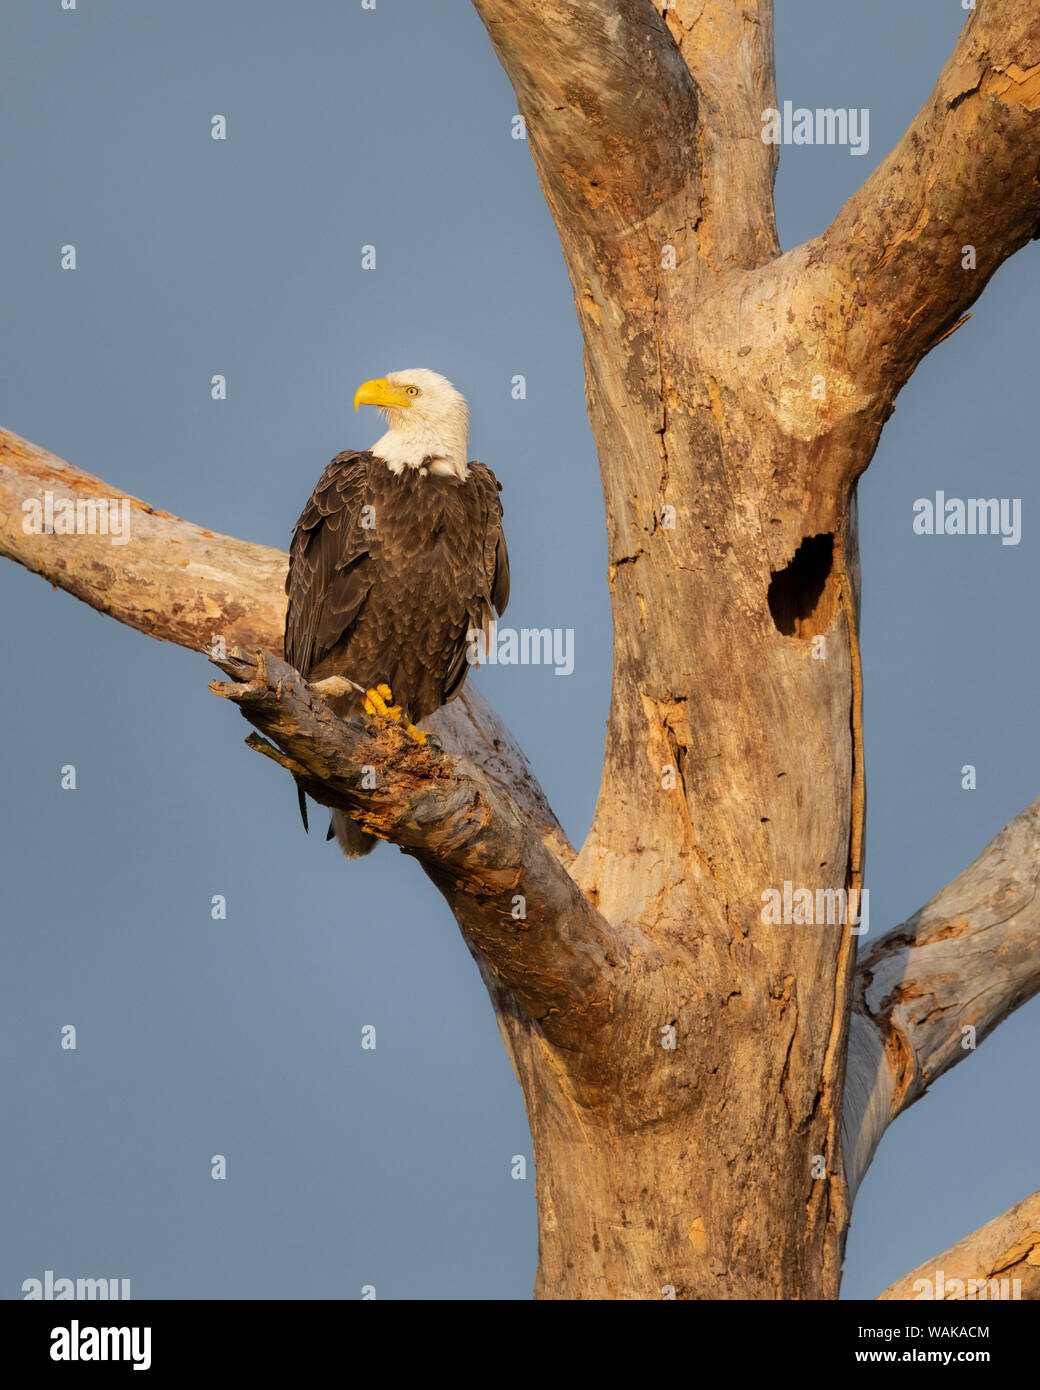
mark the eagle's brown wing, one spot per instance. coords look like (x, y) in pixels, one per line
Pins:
(495, 567)
(496, 556)
(329, 577)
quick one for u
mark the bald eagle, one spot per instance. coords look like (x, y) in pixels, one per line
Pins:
(397, 558)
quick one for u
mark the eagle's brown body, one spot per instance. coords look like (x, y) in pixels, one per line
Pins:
(388, 573)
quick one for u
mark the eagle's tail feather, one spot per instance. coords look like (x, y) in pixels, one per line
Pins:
(353, 841)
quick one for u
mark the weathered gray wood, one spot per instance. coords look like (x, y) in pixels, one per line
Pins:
(940, 982)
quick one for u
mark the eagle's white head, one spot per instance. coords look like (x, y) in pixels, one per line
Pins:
(428, 421)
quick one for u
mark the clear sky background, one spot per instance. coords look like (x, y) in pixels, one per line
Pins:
(242, 1037)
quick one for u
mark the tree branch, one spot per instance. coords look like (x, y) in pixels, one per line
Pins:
(610, 109)
(516, 905)
(728, 50)
(966, 960)
(1006, 1248)
(182, 583)
(965, 174)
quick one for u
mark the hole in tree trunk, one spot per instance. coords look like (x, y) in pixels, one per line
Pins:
(800, 598)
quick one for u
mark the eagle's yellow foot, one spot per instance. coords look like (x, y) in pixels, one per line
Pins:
(377, 701)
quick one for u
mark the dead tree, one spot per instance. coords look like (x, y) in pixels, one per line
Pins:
(704, 1088)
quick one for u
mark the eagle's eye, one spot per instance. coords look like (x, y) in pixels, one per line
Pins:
(412, 391)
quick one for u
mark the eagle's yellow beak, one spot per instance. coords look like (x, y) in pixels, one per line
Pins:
(379, 392)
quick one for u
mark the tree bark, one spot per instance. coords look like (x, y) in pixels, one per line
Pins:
(518, 907)
(682, 1054)
(730, 761)
(932, 988)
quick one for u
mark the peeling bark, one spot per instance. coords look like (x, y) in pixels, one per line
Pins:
(470, 838)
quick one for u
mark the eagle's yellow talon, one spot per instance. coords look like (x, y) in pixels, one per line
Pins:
(377, 702)
(374, 702)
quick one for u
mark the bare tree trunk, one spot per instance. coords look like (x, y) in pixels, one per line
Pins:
(683, 1054)
(730, 759)
(735, 398)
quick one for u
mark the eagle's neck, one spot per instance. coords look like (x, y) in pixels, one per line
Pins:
(415, 444)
